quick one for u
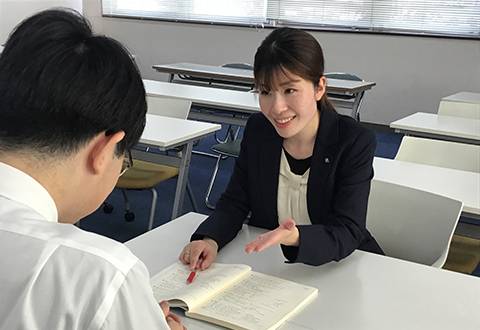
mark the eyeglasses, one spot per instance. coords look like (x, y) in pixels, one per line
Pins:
(127, 162)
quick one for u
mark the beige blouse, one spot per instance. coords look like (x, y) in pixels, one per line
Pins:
(292, 194)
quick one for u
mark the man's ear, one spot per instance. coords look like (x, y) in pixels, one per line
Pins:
(320, 89)
(102, 151)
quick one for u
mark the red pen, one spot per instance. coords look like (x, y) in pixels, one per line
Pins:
(191, 277)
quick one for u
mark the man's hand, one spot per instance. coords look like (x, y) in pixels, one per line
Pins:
(174, 322)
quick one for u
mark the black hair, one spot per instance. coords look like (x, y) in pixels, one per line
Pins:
(60, 86)
(293, 50)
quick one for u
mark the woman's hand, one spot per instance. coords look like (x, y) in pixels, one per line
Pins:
(199, 255)
(286, 234)
(174, 322)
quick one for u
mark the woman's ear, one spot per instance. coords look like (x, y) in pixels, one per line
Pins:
(103, 151)
(320, 88)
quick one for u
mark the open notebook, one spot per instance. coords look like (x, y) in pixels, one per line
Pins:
(232, 296)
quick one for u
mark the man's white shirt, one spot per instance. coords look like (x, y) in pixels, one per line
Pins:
(57, 276)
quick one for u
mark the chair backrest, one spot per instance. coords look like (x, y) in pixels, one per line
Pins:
(460, 156)
(412, 224)
(459, 109)
(168, 107)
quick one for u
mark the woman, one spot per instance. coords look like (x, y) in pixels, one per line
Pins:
(304, 171)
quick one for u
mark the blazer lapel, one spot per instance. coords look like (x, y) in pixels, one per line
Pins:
(324, 153)
(270, 167)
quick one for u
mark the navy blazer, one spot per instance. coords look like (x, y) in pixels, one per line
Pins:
(337, 190)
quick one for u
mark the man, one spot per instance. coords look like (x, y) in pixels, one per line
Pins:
(71, 106)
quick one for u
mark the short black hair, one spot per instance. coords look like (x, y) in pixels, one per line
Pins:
(61, 85)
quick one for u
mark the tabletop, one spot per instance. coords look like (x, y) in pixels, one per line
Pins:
(363, 291)
(460, 185)
(467, 97)
(246, 76)
(223, 98)
(457, 127)
(168, 132)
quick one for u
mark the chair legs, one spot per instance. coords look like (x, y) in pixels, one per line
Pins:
(210, 185)
(130, 216)
(152, 208)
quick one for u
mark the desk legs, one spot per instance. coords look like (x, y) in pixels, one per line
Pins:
(182, 179)
(355, 106)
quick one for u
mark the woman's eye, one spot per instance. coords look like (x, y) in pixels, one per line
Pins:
(289, 91)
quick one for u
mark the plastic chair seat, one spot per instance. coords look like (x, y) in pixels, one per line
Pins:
(412, 224)
(146, 175)
(231, 149)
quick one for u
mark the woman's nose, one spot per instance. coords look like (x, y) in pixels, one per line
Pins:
(279, 105)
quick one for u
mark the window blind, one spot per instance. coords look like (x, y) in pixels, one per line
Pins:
(244, 12)
(438, 16)
(430, 17)
(340, 13)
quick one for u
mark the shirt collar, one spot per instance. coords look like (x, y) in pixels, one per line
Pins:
(21, 187)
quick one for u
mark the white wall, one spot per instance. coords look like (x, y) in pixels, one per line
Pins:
(412, 73)
(13, 12)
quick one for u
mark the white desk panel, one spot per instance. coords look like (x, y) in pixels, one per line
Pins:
(216, 97)
(246, 76)
(460, 185)
(467, 97)
(445, 127)
(362, 292)
(168, 132)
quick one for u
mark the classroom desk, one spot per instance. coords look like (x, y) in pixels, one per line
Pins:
(167, 133)
(460, 185)
(237, 106)
(458, 129)
(362, 292)
(464, 97)
(228, 76)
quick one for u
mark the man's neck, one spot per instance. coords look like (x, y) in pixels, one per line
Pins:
(53, 175)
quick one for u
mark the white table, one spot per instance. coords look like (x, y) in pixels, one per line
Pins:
(458, 129)
(167, 133)
(465, 97)
(238, 104)
(362, 292)
(460, 185)
(211, 75)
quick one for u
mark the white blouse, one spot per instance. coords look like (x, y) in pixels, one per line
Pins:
(292, 194)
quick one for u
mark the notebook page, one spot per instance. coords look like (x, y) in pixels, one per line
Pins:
(170, 284)
(257, 302)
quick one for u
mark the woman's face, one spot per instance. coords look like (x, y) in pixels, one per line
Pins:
(291, 104)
